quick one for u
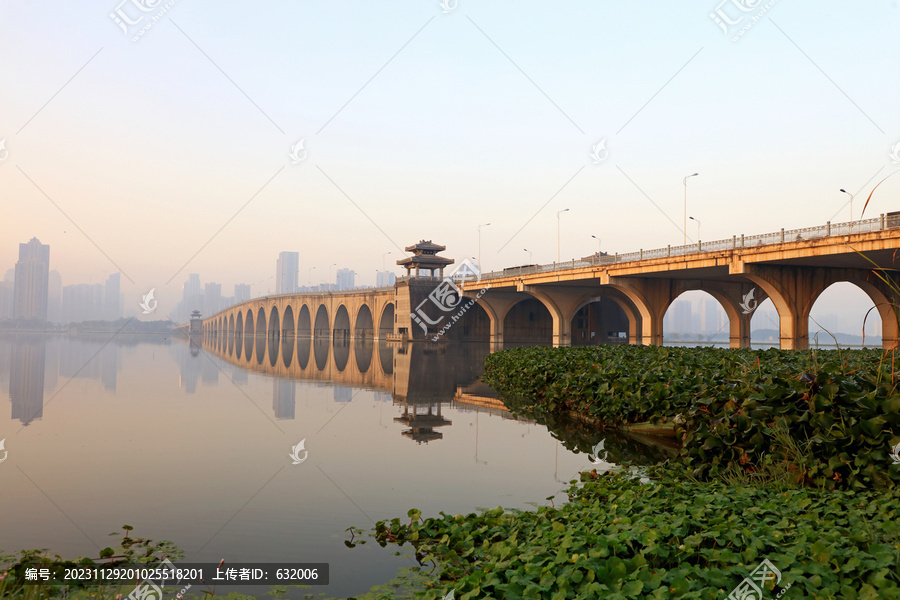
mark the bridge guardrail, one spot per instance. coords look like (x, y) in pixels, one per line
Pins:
(736, 242)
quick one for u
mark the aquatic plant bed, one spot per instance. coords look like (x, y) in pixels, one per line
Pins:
(835, 412)
(617, 538)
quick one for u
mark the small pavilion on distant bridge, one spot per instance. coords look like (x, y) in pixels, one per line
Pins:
(425, 257)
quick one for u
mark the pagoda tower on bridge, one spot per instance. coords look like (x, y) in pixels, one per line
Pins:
(425, 258)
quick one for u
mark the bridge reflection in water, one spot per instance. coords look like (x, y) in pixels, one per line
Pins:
(421, 378)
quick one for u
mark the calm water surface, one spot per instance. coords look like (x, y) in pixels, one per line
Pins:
(192, 445)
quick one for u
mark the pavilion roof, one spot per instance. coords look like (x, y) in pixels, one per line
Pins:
(425, 245)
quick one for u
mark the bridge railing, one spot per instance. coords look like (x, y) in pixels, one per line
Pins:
(736, 242)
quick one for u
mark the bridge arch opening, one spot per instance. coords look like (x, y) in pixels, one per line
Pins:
(321, 327)
(600, 320)
(696, 317)
(304, 323)
(287, 338)
(765, 325)
(230, 334)
(249, 335)
(528, 322)
(341, 331)
(364, 326)
(273, 336)
(239, 334)
(260, 336)
(841, 310)
(473, 324)
(386, 322)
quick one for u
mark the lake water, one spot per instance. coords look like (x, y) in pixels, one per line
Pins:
(192, 445)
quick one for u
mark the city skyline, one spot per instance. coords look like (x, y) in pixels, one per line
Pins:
(842, 308)
(398, 131)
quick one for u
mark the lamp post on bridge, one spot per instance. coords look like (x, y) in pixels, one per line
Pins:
(698, 227)
(479, 244)
(598, 244)
(684, 228)
(851, 208)
(329, 275)
(383, 263)
(530, 259)
(557, 232)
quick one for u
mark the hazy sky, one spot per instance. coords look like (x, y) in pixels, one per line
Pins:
(170, 155)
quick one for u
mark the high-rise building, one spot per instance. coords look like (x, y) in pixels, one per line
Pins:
(287, 272)
(32, 275)
(212, 299)
(345, 279)
(54, 297)
(82, 302)
(682, 316)
(241, 292)
(7, 294)
(384, 278)
(112, 311)
(191, 296)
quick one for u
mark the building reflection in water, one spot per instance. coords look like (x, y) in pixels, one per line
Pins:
(38, 364)
(26, 379)
(284, 394)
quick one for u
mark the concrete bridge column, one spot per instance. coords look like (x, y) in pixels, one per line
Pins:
(496, 305)
(649, 297)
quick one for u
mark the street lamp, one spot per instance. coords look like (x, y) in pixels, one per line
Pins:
(530, 260)
(383, 263)
(684, 229)
(598, 244)
(557, 232)
(851, 208)
(479, 244)
(329, 272)
(698, 227)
